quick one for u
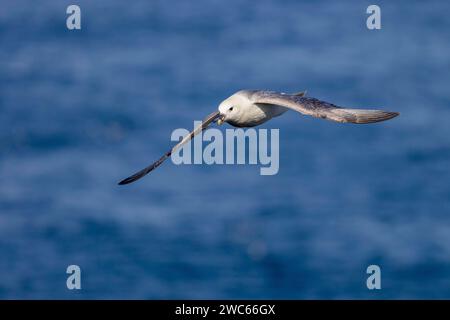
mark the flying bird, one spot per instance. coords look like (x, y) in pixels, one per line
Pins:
(249, 108)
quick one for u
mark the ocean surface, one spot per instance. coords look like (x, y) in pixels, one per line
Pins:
(81, 110)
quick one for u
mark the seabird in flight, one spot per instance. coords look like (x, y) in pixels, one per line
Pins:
(249, 108)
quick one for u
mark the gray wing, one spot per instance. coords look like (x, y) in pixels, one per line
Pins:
(205, 123)
(320, 109)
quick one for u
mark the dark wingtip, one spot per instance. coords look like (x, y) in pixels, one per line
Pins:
(390, 115)
(372, 116)
(146, 170)
(133, 178)
(125, 181)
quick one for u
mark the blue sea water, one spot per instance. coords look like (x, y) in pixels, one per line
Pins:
(80, 110)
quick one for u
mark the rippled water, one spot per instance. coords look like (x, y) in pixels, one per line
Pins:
(81, 110)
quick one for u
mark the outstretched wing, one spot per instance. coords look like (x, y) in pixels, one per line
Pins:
(205, 123)
(321, 109)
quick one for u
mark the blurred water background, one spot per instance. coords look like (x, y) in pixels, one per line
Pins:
(80, 110)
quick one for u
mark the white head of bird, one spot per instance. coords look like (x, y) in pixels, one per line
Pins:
(240, 110)
(231, 109)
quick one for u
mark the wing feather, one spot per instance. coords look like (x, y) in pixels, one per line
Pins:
(321, 109)
(205, 123)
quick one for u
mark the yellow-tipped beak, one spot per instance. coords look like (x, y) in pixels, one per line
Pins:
(220, 121)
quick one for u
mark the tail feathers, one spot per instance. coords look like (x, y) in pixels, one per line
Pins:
(366, 116)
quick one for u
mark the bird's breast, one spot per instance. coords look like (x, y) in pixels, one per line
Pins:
(256, 114)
